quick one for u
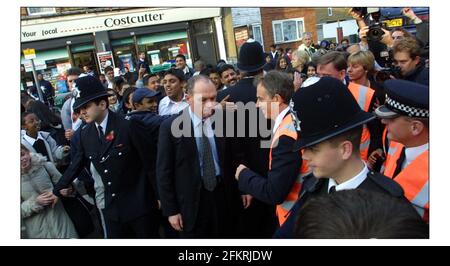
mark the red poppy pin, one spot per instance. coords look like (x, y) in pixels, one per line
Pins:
(110, 136)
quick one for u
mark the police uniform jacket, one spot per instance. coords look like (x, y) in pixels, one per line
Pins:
(313, 186)
(122, 162)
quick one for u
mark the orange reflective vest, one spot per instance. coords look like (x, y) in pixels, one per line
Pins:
(286, 128)
(413, 178)
(363, 96)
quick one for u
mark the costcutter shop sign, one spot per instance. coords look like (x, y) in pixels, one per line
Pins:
(33, 30)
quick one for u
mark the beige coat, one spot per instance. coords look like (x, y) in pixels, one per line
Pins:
(38, 221)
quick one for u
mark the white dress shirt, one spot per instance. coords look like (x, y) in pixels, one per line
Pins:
(209, 133)
(412, 153)
(351, 183)
(279, 119)
(169, 107)
(32, 140)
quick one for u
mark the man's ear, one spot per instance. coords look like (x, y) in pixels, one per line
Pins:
(346, 149)
(417, 127)
(342, 74)
(417, 59)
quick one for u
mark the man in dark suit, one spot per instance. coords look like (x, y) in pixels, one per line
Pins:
(189, 170)
(331, 126)
(115, 152)
(258, 219)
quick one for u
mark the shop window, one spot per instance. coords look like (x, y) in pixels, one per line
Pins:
(161, 49)
(52, 64)
(289, 30)
(124, 54)
(34, 11)
(257, 34)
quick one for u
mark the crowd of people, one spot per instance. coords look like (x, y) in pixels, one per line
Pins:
(308, 142)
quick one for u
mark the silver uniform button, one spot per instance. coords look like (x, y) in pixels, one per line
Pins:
(106, 171)
(90, 157)
(109, 183)
(103, 158)
(120, 153)
(113, 195)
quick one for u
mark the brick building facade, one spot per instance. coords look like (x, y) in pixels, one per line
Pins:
(269, 16)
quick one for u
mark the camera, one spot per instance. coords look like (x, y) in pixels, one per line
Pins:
(386, 74)
(376, 32)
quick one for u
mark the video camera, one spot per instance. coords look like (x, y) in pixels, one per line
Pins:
(386, 73)
(371, 17)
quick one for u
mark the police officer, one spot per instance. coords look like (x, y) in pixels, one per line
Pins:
(406, 114)
(115, 152)
(331, 124)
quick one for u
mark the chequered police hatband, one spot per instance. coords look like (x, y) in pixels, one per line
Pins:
(405, 109)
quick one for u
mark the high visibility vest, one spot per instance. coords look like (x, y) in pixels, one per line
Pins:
(363, 96)
(287, 128)
(414, 178)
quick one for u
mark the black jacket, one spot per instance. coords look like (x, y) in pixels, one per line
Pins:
(313, 186)
(178, 171)
(122, 162)
(151, 120)
(274, 188)
(421, 74)
(247, 150)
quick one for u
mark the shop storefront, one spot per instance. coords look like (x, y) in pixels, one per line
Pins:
(161, 33)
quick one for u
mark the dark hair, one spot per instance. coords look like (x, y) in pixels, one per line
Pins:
(277, 82)
(119, 81)
(359, 213)
(311, 64)
(74, 71)
(353, 135)
(337, 58)
(148, 76)
(224, 68)
(98, 100)
(107, 69)
(277, 66)
(22, 117)
(47, 117)
(125, 99)
(177, 73)
(206, 71)
(181, 56)
(273, 46)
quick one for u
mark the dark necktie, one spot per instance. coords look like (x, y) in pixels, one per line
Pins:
(332, 190)
(39, 146)
(398, 167)
(209, 170)
(101, 135)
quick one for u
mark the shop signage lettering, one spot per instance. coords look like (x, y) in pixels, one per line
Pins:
(110, 22)
(44, 32)
(32, 31)
(47, 32)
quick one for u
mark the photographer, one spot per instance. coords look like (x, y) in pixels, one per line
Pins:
(407, 57)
